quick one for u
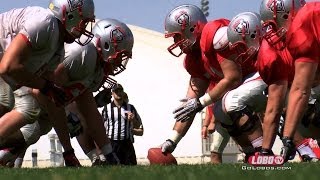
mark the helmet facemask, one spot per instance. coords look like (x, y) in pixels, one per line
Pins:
(87, 35)
(274, 38)
(119, 61)
(243, 49)
(77, 28)
(244, 52)
(182, 43)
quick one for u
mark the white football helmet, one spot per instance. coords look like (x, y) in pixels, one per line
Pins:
(114, 41)
(277, 16)
(184, 23)
(74, 15)
(244, 34)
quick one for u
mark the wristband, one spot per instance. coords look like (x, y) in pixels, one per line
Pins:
(175, 136)
(205, 100)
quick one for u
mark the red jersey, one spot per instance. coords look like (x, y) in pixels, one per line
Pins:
(303, 34)
(213, 58)
(273, 64)
(209, 55)
(194, 65)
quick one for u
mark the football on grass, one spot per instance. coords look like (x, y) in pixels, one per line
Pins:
(156, 156)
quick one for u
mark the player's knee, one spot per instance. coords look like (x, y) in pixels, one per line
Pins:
(246, 126)
(31, 133)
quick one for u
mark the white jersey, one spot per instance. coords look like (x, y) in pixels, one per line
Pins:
(83, 69)
(41, 29)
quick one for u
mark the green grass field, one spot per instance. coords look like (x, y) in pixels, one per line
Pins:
(303, 171)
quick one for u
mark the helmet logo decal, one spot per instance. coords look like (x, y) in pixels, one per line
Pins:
(116, 35)
(75, 4)
(279, 5)
(241, 26)
(183, 19)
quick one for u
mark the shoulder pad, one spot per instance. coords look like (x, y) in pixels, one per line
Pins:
(208, 33)
(220, 40)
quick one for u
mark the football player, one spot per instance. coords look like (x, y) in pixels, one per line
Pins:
(16, 144)
(88, 68)
(302, 43)
(275, 66)
(84, 70)
(244, 104)
(31, 45)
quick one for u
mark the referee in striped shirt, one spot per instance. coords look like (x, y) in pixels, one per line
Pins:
(122, 122)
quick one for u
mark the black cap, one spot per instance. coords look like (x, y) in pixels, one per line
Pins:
(117, 86)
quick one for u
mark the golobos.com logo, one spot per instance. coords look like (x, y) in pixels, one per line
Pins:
(266, 160)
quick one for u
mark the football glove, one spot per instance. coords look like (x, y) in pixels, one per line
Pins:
(168, 146)
(188, 109)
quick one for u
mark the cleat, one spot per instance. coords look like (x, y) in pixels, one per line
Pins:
(70, 159)
(288, 151)
(307, 158)
(96, 162)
